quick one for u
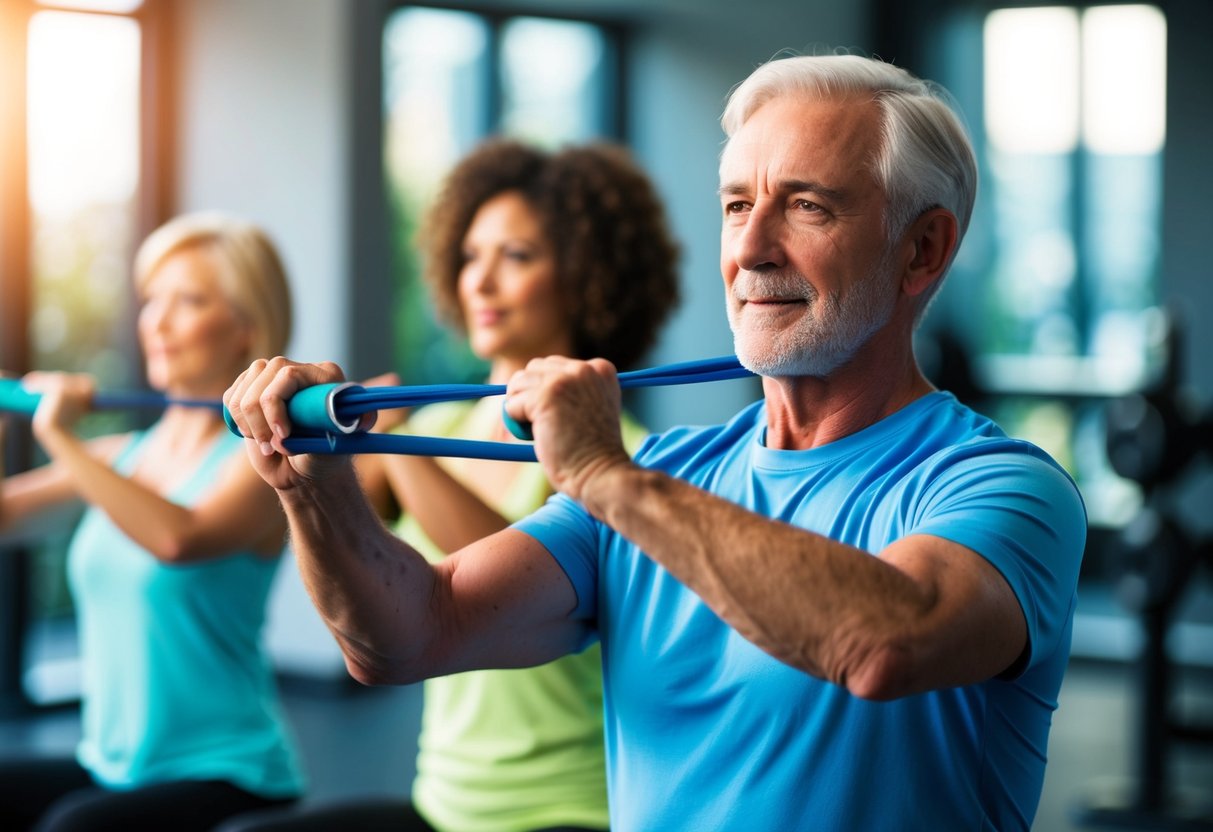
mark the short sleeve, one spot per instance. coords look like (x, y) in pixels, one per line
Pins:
(1025, 516)
(571, 536)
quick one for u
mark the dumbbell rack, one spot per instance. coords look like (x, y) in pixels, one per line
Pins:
(1152, 439)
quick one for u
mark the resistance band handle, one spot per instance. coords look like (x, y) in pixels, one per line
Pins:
(16, 399)
(520, 430)
(314, 410)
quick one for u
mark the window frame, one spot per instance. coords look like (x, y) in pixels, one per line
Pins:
(370, 240)
(911, 32)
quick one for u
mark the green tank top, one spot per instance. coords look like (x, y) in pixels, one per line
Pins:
(509, 750)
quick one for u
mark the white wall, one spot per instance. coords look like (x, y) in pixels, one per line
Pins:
(262, 132)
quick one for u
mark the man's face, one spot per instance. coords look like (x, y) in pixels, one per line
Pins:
(807, 266)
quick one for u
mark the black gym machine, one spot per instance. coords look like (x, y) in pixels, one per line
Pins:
(1154, 438)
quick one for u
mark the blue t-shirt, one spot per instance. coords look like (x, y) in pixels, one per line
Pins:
(706, 731)
(176, 685)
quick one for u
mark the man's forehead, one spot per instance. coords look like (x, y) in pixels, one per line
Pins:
(797, 138)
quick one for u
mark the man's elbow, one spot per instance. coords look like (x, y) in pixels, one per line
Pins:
(365, 674)
(372, 675)
(376, 670)
(885, 673)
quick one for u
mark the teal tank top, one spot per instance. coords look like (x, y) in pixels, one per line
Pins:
(176, 683)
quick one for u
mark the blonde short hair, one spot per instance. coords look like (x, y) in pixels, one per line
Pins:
(249, 269)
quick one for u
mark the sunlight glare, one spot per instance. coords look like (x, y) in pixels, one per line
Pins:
(1124, 79)
(1031, 79)
(83, 111)
(116, 6)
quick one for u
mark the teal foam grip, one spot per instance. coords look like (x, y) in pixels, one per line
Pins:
(314, 410)
(16, 399)
(520, 430)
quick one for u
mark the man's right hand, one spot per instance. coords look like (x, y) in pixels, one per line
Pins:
(257, 402)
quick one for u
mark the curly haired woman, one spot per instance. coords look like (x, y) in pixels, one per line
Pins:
(530, 253)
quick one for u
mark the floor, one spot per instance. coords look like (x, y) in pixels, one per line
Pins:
(1093, 752)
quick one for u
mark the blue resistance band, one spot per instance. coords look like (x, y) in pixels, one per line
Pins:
(325, 418)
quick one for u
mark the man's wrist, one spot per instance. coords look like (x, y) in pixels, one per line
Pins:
(338, 480)
(610, 483)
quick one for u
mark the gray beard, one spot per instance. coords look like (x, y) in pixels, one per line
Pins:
(826, 337)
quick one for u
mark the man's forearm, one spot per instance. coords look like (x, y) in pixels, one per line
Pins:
(373, 590)
(813, 603)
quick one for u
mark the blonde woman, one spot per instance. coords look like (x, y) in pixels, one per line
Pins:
(171, 566)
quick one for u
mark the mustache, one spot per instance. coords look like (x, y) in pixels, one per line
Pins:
(787, 286)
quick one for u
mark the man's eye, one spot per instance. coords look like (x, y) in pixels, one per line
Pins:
(807, 205)
(735, 207)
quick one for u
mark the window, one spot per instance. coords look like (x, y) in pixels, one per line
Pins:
(1054, 293)
(79, 178)
(83, 139)
(450, 79)
(1074, 122)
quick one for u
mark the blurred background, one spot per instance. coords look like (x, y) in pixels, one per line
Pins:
(1074, 314)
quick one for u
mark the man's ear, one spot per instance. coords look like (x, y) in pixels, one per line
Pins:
(933, 236)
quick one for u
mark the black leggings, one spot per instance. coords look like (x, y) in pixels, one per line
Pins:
(58, 795)
(365, 815)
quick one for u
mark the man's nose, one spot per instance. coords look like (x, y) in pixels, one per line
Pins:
(759, 242)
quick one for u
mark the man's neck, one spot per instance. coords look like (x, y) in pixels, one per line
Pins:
(807, 412)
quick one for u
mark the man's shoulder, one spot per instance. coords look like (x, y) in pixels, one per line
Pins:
(938, 436)
(971, 434)
(966, 449)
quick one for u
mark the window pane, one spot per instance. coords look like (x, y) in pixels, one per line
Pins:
(1075, 212)
(1121, 252)
(1124, 55)
(83, 173)
(1124, 129)
(552, 74)
(450, 80)
(1031, 79)
(1034, 264)
(83, 134)
(436, 90)
(437, 104)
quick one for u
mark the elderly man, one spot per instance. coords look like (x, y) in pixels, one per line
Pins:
(848, 608)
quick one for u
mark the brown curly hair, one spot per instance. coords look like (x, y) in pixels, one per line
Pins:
(616, 262)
